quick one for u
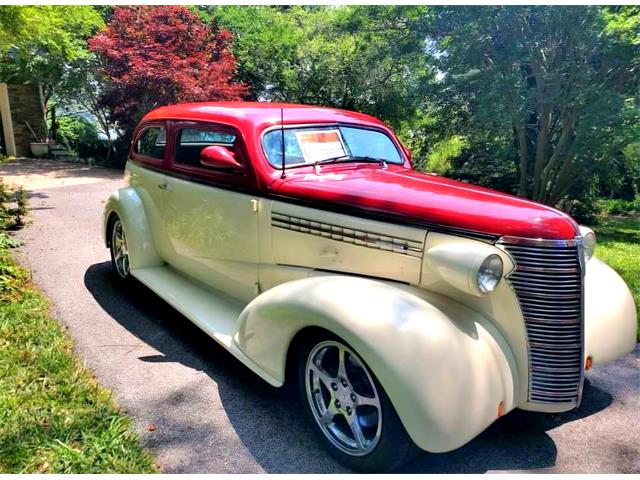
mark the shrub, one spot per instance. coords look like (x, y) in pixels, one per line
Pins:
(12, 217)
(81, 137)
(617, 206)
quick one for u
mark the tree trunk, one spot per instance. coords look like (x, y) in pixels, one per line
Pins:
(523, 154)
(557, 161)
(544, 120)
(54, 128)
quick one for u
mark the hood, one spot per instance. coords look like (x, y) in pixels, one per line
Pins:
(401, 193)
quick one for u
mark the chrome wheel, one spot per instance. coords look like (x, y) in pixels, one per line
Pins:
(343, 398)
(119, 250)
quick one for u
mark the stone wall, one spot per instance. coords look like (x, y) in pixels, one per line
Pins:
(25, 106)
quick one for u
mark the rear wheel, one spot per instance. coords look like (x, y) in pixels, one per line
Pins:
(352, 413)
(119, 251)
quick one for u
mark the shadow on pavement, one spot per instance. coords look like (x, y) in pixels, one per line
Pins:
(269, 421)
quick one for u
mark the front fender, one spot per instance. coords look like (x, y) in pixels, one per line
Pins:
(445, 368)
(127, 204)
(610, 314)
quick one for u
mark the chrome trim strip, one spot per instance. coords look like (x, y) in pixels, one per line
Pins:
(548, 269)
(542, 242)
(358, 237)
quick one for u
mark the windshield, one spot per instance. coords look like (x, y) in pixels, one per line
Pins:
(308, 145)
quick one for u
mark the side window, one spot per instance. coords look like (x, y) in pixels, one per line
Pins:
(152, 143)
(191, 141)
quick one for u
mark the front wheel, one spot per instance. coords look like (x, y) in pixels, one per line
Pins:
(355, 418)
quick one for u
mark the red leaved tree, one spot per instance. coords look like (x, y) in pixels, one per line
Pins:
(159, 55)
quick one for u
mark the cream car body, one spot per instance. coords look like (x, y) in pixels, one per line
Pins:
(254, 271)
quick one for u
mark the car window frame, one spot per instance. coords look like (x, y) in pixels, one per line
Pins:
(390, 136)
(244, 180)
(146, 159)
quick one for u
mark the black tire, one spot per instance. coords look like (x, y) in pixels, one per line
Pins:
(121, 275)
(394, 447)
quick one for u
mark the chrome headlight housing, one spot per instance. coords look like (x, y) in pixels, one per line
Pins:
(490, 273)
(471, 267)
(588, 242)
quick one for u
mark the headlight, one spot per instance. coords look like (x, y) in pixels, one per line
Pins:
(588, 242)
(490, 273)
(471, 267)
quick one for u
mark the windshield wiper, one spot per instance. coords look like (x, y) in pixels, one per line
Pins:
(352, 159)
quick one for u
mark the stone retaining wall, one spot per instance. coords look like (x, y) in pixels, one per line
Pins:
(25, 106)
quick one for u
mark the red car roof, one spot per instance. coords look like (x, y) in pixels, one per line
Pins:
(259, 113)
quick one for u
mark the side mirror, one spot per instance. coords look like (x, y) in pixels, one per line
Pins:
(216, 156)
(407, 152)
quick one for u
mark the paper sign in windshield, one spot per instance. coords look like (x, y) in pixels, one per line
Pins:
(317, 145)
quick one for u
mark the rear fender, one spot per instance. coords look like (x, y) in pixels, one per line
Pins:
(128, 206)
(445, 368)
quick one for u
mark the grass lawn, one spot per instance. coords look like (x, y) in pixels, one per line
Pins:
(619, 246)
(54, 417)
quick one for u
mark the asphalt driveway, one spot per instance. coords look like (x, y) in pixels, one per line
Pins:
(211, 414)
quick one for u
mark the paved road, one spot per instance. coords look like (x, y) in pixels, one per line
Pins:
(212, 414)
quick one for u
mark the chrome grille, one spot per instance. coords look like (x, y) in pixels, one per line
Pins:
(549, 284)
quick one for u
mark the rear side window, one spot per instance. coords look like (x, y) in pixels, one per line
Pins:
(152, 143)
(191, 141)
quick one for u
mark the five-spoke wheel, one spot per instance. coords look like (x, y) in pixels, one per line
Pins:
(343, 398)
(356, 419)
(119, 251)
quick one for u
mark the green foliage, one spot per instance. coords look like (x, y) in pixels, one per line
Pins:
(80, 90)
(13, 207)
(360, 58)
(441, 153)
(543, 87)
(618, 206)
(37, 41)
(81, 136)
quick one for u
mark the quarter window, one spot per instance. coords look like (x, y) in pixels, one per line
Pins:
(191, 141)
(152, 143)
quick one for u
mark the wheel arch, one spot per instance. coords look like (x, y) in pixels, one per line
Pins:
(111, 218)
(447, 371)
(299, 340)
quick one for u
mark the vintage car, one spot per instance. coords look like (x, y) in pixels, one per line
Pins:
(411, 310)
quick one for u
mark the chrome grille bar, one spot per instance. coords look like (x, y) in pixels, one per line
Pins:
(548, 281)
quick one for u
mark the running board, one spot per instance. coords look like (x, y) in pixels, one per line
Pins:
(213, 312)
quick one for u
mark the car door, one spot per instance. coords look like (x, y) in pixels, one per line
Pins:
(146, 174)
(211, 214)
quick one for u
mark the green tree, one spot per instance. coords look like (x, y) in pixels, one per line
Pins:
(81, 89)
(545, 87)
(38, 43)
(360, 58)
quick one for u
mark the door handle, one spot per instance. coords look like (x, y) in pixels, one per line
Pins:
(163, 186)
